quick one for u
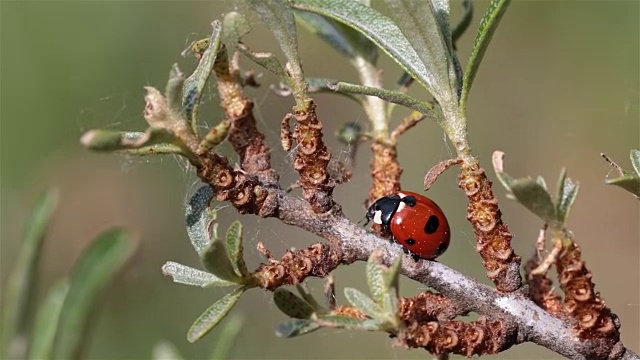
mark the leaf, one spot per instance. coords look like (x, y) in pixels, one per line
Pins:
(227, 338)
(375, 277)
(173, 91)
(292, 305)
(46, 323)
(629, 183)
(234, 27)
(235, 249)
(377, 28)
(194, 85)
(198, 217)
(183, 274)
(395, 97)
(166, 351)
(567, 193)
(426, 26)
(635, 160)
(213, 315)
(306, 296)
(535, 198)
(96, 267)
(296, 327)
(267, 60)
(464, 22)
(391, 279)
(363, 302)
(488, 26)
(345, 40)
(216, 260)
(347, 322)
(277, 15)
(21, 281)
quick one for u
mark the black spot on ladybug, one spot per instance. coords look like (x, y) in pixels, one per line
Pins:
(411, 241)
(432, 224)
(410, 200)
(441, 249)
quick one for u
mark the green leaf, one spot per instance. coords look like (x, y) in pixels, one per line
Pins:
(363, 302)
(213, 315)
(166, 351)
(234, 27)
(376, 278)
(292, 305)
(91, 274)
(488, 26)
(464, 22)
(345, 40)
(347, 322)
(46, 323)
(535, 198)
(235, 249)
(567, 193)
(267, 60)
(391, 280)
(216, 260)
(199, 217)
(377, 28)
(395, 97)
(183, 274)
(227, 338)
(277, 15)
(629, 183)
(173, 91)
(306, 296)
(22, 279)
(635, 160)
(195, 84)
(426, 26)
(296, 327)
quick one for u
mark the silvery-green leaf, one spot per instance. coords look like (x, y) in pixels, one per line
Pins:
(635, 160)
(234, 27)
(296, 327)
(363, 302)
(215, 259)
(235, 249)
(183, 274)
(535, 198)
(567, 191)
(488, 26)
(213, 315)
(347, 322)
(464, 22)
(375, 278)
(629, 183)
(292, 305)
(198, 217)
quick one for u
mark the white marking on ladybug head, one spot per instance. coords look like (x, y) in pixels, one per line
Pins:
(401, 205)
(377, 217)
(402, 195)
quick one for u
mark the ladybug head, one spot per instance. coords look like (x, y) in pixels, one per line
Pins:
(381, 211)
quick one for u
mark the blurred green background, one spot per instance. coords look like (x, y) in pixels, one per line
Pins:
(559, 84)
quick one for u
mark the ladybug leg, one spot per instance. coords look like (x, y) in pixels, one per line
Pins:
(406, 251)
(415, 257)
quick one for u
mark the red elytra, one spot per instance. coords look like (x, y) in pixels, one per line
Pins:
(415, 221)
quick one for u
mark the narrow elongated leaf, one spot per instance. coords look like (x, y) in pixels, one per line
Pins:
(488, 26)
(198, 217)
(296, 327)
(166, 351)
(194, 85)
(183, 274)
(227, 338)
(44, 330)
(391, 279)
(306, 296)
(629, 183)
(347, 322)
(363, 302)
(216, 260)
(635, 160)
(234, 27)
(567, 193)
(292, 305)
(213, 315)
(235, 249)
(464, 22)
(22, 278)
(91, 275)
(378, 28)
(344, 39)
(113, 140)
(267, 60)
(425, 24)
(535, 198)
(375, 278)
(395, 97)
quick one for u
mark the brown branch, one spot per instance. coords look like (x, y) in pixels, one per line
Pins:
(492, 235)
(541, 288)
(385, 171)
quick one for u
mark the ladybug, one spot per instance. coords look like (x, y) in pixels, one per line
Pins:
(414, 221)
